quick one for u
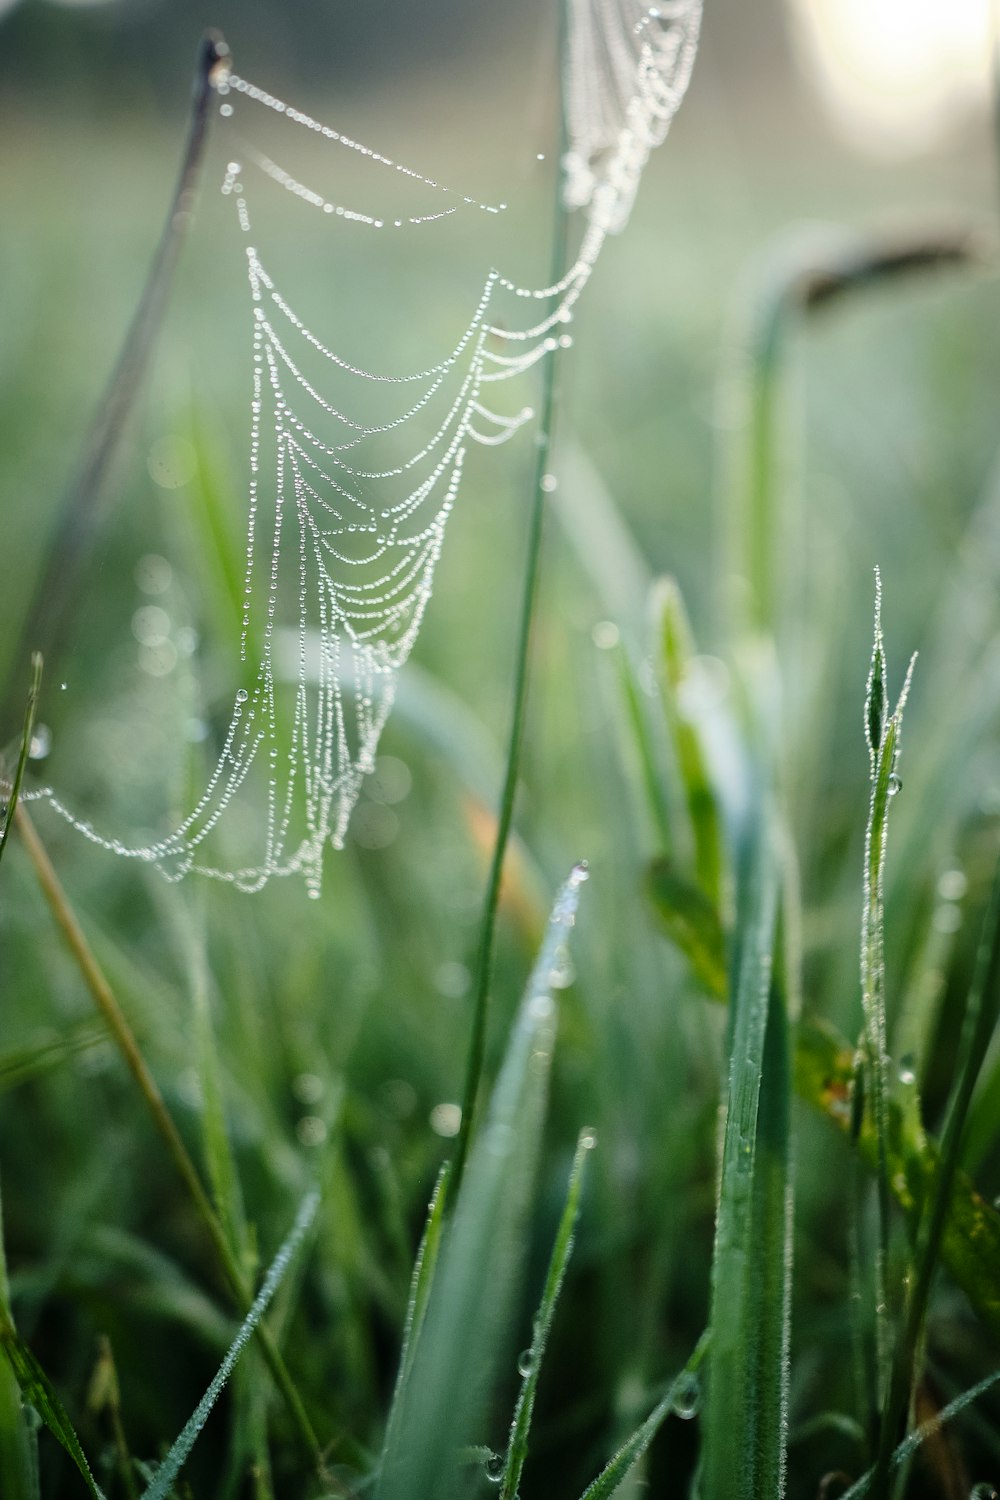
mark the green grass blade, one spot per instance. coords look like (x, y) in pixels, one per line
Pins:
(443, 1404)
(981, 1016)
(970, 1243)
(676, 655)
(424, 1269)
(24, 752)
(38, 1391)
(677, 1399)
(517, 1445)
(18, 1472)
(692, 923)
(746, 1417)
(910, 1444)
(175, 1459)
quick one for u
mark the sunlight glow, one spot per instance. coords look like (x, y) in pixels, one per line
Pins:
(897, 75)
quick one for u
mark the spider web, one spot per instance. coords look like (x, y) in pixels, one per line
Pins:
(352, 539)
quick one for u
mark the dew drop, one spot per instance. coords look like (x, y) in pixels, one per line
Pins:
(588, 1138)
(895, 784)
(686, 1399)
(41, 742)
(907, 1069)
(525, 1363)
(549, 483)
(242, 695)
(225, 109)
(493, 1468)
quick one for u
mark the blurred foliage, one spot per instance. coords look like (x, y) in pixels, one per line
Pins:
(341, 1027)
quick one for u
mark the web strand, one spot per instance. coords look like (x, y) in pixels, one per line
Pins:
(341, 548)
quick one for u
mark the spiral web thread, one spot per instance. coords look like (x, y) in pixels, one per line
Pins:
(366, 538)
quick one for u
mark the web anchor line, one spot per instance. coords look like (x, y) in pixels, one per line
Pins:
(343, 544)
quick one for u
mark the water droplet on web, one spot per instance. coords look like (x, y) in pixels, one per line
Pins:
(41, 742)
(242, 695)
(525, 1363)
(895, 784)
(225, 109)
(686, 1399)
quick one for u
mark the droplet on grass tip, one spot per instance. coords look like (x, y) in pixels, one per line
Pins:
(588, 1138)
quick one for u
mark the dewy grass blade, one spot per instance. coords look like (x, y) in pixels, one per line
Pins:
(25, 751)
(111, 1012)
(175, 1459)
(37, 1390)
(678, 1399)
(909, 1445)
(443, 1402)
(746, 1416)
(882, 734)
(981, 1017)
(424, 1268)
(531, 1364)
(18, 1458)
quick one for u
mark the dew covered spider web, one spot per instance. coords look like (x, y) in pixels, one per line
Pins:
(355, 469)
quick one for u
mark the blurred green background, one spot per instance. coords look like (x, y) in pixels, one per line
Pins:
(342, 1026)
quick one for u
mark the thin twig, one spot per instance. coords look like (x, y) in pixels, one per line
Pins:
(46, 619)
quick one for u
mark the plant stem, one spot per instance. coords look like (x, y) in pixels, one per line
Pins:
(22, 759)
(487, 936)
(114, 1017)
(980, 1020)
(46, 618)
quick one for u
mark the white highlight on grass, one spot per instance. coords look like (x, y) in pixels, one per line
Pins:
(351, 543)
(172, 1464)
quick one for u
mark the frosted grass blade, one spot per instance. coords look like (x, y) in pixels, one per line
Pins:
(443, 1402)
(678, 1397)
(422, 1281)
(746, 1413)
(175, 1459)
(517, 1444)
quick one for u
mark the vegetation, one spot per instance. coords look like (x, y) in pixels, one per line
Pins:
(729, 1186)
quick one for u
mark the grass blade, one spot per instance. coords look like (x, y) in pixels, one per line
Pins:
(517, 1444)
(24, 752)
(677, 1399)
(910, 1444)
(172, 1464)
(746, 1416)
(37, 1391)
(424, 1269)
(443, 1402)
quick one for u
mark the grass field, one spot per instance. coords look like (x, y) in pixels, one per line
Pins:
(733, 1132)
